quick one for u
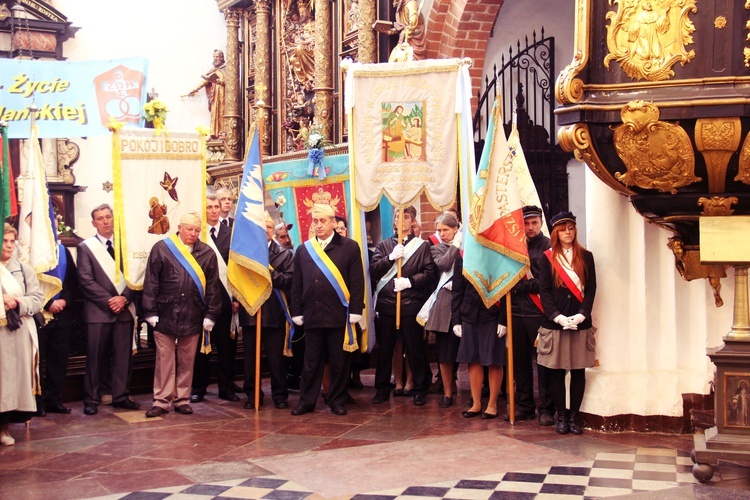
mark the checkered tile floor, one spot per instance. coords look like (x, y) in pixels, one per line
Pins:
(611, 474)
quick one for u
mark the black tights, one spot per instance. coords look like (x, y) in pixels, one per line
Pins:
(556, 383)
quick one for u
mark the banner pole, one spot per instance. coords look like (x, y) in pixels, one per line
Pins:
(256, 396)
(400, 239)
(511, 381)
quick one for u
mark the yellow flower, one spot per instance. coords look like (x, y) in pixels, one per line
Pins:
(114, 125)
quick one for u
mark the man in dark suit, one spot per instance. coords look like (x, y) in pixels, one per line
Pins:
(316, 303)
(54, 337)
(106, 312)
(226, 200)
(221, 337)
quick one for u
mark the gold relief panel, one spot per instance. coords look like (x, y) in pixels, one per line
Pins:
(717, 139)
(648, 37)
(658, 155)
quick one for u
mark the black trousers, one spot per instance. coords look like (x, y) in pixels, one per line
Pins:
(524, 334)
(100, 338)
(226, 352)
(556, 381)
(321, 345)
(415, 346)
(273, 345)
(54, 348)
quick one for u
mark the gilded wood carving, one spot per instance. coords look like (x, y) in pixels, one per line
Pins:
(648, 37)
(717, 139)
(743, 174)
(658, 155)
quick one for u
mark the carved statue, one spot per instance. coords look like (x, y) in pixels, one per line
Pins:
(410, 28)
(302, 56)
(688, 264)
(214, 83)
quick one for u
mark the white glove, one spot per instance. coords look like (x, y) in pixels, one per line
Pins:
(458, 331)
(448, 286)
(208, 324)
(501, 331)
(397, 253)
(298, 320)
(354, 318)
(577, 319)
(563, 321)
(152, 320)
(400, 284)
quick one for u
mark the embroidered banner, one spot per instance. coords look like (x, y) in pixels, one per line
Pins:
(157, 179)
(404, 137)
(75, 98)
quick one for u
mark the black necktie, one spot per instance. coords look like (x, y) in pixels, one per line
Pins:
(225, 222)
(110, 249)
(213, 233)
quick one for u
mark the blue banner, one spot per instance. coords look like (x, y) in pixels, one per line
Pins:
(73, 98)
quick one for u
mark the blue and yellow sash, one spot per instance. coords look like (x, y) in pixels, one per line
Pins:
(188, 262)
(333, 275)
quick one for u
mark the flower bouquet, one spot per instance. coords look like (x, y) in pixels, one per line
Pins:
(314, 144)
(155, 112)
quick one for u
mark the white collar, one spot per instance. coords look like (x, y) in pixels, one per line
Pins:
(324, 243)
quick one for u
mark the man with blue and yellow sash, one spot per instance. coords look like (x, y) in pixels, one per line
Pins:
(181, 300)
(328, 298)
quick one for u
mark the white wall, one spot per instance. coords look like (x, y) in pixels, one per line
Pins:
(177, 36)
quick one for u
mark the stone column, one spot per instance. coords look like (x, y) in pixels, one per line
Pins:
(366, 38)
(232, 91)
(262, 60)
(323, 99)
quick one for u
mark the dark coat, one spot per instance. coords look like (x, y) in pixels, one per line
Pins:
(170, 293)
(467, 306)
(97, 289)
(314, 297)
(272, 314)
(522, 305)
(223, 240)
(70, 293)
(420, 269)
(560, 300)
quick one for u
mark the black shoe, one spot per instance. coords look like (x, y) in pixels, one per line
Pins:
(227, 397)
(350, 400)
(470, 414)
(40, 412)
(488, 416)
(562, 426)
(281, 404)
(546, 420)
(339, 410)
(355, 382)
(156, 411)
(126, 404)
(325, 397)
(196, 398)
(58, 408)
(381, 397)
(573, 424)
(183, 409)
(301, 409)
(446, 402)
(420, 399)
(520, 415)
(90, 409)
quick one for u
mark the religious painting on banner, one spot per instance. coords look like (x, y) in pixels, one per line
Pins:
(306, 196)
(405, 121)
(157, 180)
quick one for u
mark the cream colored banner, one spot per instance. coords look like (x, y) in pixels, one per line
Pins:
(158, 179)
(404, 137)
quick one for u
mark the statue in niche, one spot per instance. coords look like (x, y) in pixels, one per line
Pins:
(213, 82)
(302, 56)
(409, 26)
(353, 19)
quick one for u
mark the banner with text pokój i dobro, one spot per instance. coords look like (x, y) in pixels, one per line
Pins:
(73, 98)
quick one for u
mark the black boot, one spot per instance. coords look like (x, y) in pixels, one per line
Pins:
(573, 423)
(562, 423)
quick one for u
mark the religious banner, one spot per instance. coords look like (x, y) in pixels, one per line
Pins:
(404, 135)
(74, 98)
(306, 196)
(157, 180)
(495, 253)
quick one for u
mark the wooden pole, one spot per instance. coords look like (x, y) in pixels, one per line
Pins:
(398, 294)
(257, 360)
(511, 381)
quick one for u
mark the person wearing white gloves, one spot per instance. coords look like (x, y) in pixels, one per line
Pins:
(180, 306)
(567, 285)
(418, 280)
(318, 301)
(482, 331)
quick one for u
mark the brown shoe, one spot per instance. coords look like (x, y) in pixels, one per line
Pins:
(156, 411)
(184, 409)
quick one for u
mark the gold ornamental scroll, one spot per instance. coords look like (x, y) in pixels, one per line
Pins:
(404, 132)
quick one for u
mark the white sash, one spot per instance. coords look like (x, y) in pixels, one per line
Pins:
(105, 260)
(12, 287)
(409, 250)
(222, 265)
(424, 314)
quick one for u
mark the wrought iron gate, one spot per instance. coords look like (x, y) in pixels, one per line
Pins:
(524, 83)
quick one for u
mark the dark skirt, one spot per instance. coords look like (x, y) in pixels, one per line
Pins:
(446, 347)
(479, 344)
(15, 417)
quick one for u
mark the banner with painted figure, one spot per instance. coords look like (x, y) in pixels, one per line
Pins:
(157, 180)
(495, 253)
(404, 135)
(74, 98)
